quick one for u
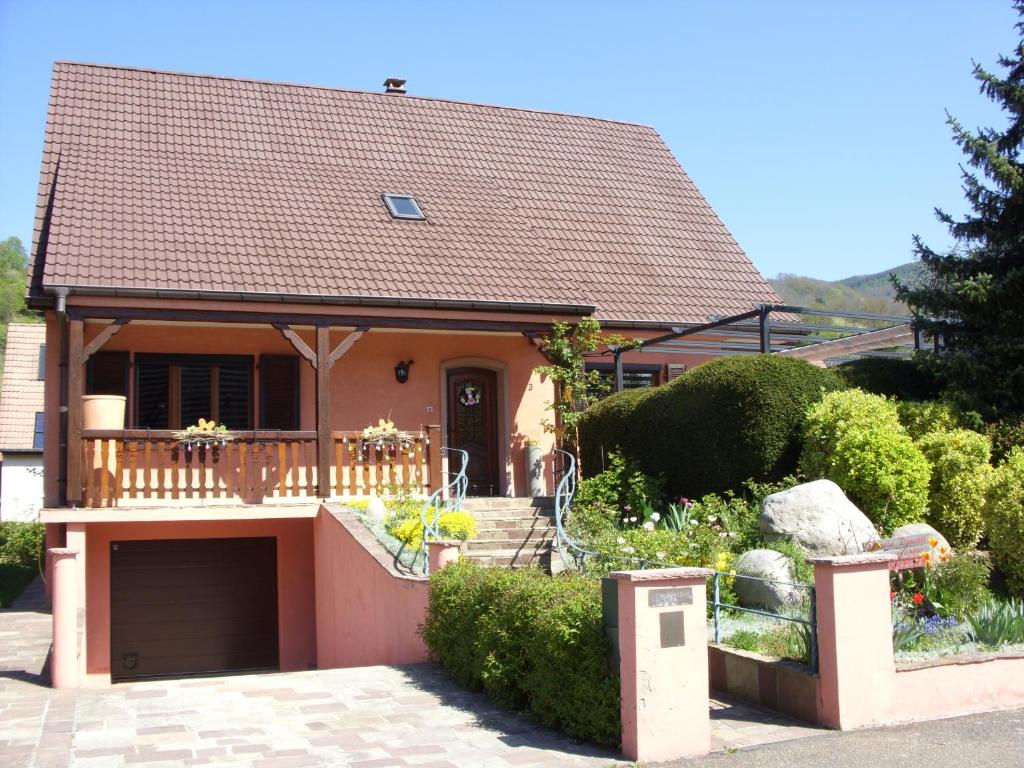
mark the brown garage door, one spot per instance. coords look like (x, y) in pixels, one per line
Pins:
(192, 606)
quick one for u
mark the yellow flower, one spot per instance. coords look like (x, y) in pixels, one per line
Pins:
(933, 542)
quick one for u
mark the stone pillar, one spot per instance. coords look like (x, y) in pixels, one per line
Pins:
(440, 553)
(64, 662)
(663, 663)
(855, 659)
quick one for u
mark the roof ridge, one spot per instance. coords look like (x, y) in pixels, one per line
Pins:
(336, 89)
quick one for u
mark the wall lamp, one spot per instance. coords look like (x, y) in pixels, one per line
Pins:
(402, 370)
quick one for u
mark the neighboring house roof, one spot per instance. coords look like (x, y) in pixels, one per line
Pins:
(21, 390)
(153, 180)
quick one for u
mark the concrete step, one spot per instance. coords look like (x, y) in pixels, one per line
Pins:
(533, 539)
(487, 503)
(506, 514)
(513, 558)
(533, 523)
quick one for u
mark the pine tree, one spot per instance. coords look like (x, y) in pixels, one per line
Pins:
(973, 296)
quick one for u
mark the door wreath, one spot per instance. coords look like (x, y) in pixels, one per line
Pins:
(469, 394)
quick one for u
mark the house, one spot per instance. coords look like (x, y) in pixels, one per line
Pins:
(299, 262)
(21, 422)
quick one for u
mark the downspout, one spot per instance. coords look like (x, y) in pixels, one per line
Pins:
(62, 467)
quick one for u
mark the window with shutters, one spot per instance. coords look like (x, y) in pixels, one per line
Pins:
(279, 392)
(634, 376)
(106, 373)
(174, 391)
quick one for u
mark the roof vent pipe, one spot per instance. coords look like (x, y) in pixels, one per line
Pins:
(394, 85)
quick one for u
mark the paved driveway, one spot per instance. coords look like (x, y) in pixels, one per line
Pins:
(373, 716)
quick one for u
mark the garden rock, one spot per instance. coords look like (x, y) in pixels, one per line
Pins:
(818, 518)
(766, 564)
(923, 529)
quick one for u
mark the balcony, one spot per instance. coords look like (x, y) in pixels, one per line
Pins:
(139, 467)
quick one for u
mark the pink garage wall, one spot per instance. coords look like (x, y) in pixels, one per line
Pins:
(366, 614)
(295, 582)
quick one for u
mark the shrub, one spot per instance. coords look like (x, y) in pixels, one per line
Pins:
(804, 571)
(1006, 434)
(531, 641)
(408, 527)
(920, 418)
(902, 379)
(713, 427)
(1004, 513)
(22, 543)
(622, 485)
(960, 478)
(855, 439)
(961, 584)
(739, 512)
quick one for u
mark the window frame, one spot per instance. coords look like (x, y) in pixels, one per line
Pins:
(39, 432)
(388, 198)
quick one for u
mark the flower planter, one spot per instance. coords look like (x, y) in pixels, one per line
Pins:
(103, 411)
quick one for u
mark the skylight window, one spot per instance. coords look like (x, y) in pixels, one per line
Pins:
(403, 206)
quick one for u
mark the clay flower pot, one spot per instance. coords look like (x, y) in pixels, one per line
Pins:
(103, 411)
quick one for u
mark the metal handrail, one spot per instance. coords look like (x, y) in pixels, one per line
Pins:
(565, 492)
(455, 490)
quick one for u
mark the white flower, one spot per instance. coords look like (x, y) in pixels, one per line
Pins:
(648, 526)
(621, 540)
(660, 555)
(693, 522)
(732, 534)
(712, 519)
(655, 516)
(632, 519)
(628, 550)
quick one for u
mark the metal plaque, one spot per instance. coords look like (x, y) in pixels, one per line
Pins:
(670, 598)
(672, 631)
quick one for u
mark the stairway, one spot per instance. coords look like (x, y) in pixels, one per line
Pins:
(511, 532)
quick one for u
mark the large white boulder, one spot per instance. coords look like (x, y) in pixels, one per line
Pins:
(773, 566)
(818, 518)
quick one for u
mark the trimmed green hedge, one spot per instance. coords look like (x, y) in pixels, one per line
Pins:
(902, 379)
(533, 642)
(725, 422)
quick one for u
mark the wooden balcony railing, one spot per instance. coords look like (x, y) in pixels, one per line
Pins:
(149, 467)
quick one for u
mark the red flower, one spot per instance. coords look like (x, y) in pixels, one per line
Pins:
(892, 595)
(918, 598)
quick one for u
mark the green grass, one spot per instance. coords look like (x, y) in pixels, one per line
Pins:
(13, 580)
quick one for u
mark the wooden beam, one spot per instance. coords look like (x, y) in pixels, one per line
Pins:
(324, 440)
(290, 318)
(300, 346)
(102, 338)
(76, 389)
(345, 346)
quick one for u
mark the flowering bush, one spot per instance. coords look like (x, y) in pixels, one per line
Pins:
(1004, 512)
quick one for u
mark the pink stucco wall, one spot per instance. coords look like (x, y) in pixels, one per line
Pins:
(959, 687)
(295, 582)
(366, 613)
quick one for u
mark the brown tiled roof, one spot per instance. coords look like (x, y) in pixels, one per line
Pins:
(183, 182)
(21, 390)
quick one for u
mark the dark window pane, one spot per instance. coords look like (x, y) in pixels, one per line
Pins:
(42, 362)
(107, 374)
(37, 437)
(152, 394)
(233, 396)
(195, 394)
(279, 392)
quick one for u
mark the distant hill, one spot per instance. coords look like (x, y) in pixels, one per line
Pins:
(861, 293)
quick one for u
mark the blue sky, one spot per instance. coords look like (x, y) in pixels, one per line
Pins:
(815, 128)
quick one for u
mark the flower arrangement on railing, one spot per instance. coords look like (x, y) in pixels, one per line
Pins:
(385, 436)
(205, 434)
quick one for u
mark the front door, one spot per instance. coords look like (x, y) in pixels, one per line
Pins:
(473, 426)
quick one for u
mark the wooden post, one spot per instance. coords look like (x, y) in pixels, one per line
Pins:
(435, 470)
(76, 389)
(324, 441)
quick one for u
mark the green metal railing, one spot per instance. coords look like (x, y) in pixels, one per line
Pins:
(447, 498)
